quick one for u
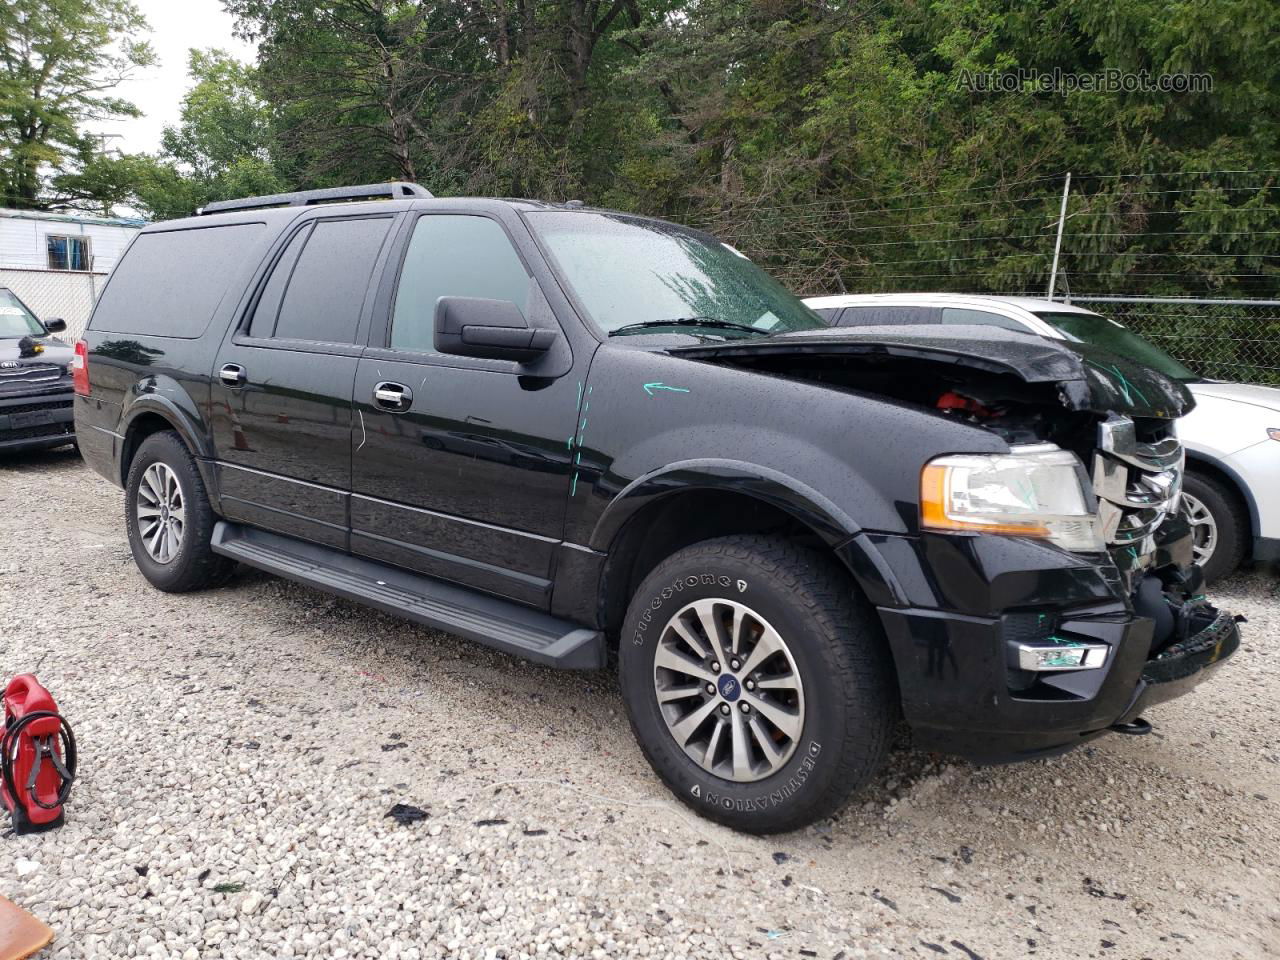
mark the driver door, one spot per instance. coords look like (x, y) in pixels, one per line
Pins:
(460, 466)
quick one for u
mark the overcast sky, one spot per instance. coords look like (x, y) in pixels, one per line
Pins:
(176, 26)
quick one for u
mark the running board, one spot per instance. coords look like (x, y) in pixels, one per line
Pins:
(495, 622)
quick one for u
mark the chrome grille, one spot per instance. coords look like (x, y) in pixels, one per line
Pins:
(30, 373)
(1138, 482)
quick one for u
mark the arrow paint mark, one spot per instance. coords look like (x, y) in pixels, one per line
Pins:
(652, 388)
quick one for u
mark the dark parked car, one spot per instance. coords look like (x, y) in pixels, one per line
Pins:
(562, 431)
(35, 379)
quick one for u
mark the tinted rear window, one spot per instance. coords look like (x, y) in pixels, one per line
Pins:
(169, 284)
(327, 287)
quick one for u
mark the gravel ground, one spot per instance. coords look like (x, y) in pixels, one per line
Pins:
(241, 749)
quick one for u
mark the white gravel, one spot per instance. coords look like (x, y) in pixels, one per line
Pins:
(241, 748)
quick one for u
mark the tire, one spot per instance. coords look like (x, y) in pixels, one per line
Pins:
(844, 706)
(1219, 522)
(184, 562)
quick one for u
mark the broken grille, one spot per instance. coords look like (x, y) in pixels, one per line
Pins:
(1137, 475)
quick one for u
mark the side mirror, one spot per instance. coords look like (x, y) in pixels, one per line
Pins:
(491, 329)
(55, 325)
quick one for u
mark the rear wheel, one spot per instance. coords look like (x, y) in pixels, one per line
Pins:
(758, 685)
(169, 519)
(1219, 525)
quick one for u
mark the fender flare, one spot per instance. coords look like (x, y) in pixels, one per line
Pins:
(815, 510)
(187, 426)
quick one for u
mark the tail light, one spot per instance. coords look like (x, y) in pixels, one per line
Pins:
(80, 369)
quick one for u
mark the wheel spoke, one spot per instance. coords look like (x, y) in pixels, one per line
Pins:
(709, 757)
(768, 644)
(770, 749)
(786, 721)
(735, 630)
(146, 510)
(679, 693)
(671, 659)
(741, 751)
(686, 728)
(706, 610)
(680, 629)
(786, 682)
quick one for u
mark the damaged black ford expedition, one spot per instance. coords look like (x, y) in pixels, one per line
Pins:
(563, 432)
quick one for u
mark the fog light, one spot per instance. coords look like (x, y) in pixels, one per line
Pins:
(1062, 656)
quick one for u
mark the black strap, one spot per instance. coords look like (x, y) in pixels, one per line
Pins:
(65, 765)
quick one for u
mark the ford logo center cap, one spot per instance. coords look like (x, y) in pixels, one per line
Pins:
(729, 687)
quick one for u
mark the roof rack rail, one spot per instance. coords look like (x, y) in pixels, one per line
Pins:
(398, 190)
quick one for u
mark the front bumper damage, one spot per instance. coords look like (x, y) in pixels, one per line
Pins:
(963, 686)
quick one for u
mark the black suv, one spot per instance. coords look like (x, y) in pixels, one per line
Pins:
(563, 432)
(35, 379)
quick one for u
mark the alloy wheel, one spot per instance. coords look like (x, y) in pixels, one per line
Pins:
(1204, 528)
(161, 512)
(729, 690)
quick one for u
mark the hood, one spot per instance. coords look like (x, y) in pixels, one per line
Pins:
(54, 352)
(1268, 398)
(1085, 377)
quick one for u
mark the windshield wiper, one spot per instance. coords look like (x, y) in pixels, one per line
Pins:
(713, 322)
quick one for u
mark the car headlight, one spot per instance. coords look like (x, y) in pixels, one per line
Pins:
(1035, 490)
(1273, 433)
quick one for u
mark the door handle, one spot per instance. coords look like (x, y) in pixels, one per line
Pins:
(395, 397)
(232, 374)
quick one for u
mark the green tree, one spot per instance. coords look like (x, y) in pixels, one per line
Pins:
(62, 59)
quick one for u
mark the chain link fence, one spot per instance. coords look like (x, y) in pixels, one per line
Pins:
(1221, 339)
(56, 293)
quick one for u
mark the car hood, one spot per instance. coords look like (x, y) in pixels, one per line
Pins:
(1086, 378)
(54, 351)
(1258, 396)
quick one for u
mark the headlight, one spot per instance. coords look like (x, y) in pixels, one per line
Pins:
(1035, 490)
(1273, 433)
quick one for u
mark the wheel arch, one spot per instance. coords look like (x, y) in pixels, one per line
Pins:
(691, 501)
(152, 414)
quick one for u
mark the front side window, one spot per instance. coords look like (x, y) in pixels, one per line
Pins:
(16, 321)
(634, 275)
(67, 253)
(453, 255)
(324, 292)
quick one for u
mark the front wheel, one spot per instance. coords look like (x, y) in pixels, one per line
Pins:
(758, 685)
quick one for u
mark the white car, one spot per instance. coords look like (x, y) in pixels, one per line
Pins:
(1231, 491)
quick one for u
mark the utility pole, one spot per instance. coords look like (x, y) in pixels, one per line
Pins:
(1057, 247)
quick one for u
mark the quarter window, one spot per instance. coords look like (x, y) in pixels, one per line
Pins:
(453, 256)
(67, 253)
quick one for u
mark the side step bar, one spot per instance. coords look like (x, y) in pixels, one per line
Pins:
(496, 623)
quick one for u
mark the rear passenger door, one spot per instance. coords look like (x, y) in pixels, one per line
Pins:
(282, 382)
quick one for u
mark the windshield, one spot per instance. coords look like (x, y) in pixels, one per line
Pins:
(16, 321)
(650, 277)
(1100, 332)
